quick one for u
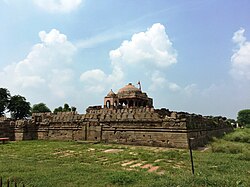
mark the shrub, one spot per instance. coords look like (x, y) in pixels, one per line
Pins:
(223, 146)
(240, 135)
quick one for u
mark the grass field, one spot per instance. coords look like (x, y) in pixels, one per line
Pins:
(226, 162)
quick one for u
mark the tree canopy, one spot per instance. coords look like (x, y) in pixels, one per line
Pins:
(65, 108)
(4, 100)
(19, 107)
(40, 108)
(244, 117)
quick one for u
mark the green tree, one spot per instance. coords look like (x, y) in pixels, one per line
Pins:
(65, 108)
(4, 100)
(40, 108)
(19, 107)
(73, 109)
(59, 109)
(244, 117)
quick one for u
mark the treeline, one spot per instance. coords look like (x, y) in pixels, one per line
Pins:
(16, 105)
(244, 118)
(19, 108)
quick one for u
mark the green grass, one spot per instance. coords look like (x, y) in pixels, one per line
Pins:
(237, 143)
(57, 163)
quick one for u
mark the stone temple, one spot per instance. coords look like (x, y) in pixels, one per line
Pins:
(127, 117)
(128, 96)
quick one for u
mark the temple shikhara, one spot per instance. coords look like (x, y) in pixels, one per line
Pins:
(127, 117)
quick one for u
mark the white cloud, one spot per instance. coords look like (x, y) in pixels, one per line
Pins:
(46, 67)
(240, 60)
(138, 59)
(152, 46)
(239, 37)
(48, 74)
(93, 80)
(191, 89)
(96, 81)
(160, 82)
(53, 37)
(54, 6)
(173, 86)
(100, 38)
(93, 75)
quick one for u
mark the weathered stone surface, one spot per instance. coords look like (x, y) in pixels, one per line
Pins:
(130, 116)
(173, 115)
(137, 126)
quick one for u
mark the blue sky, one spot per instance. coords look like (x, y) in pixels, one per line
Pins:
(189, 56)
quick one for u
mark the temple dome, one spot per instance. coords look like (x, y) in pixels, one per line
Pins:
(128, 96)
(128, 88)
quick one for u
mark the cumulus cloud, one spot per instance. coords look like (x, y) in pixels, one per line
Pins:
(152, 46)
(93, 80)
(62, 6)
(138, 59)
(45, 68)
(240, 60)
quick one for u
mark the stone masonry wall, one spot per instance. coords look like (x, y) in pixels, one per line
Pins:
(140, 126)
(6, 128)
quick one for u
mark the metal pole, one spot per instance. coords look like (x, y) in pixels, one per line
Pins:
(191, 154)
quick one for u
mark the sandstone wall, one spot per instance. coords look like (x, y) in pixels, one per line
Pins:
(140, 126)
(63, 126)
(18, 130)
(146, 126)
(6, 128)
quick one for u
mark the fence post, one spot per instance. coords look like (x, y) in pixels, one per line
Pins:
(191, 155)
(1, 181)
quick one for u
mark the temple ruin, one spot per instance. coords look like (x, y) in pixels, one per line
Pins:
(128, 96)
(127, 117)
